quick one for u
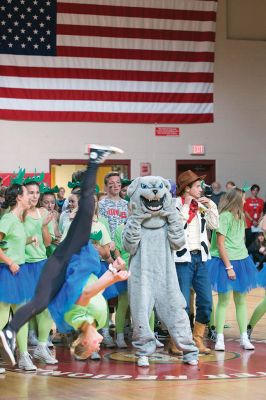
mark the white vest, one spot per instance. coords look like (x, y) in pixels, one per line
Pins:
(183, 254)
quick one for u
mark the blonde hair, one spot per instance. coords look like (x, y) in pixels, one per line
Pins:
(232, 201)
(78, 350)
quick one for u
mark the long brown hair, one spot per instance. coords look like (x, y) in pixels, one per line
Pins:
(232, 201)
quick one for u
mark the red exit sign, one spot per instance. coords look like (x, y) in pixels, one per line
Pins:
(197, 149)
(166, 131)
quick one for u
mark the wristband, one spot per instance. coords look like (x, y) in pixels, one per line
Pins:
(112, 269)
(10, 265)
(227, 268)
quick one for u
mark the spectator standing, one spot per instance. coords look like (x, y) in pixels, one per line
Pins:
(112, 207)
(217, 192)
(60, 198)
(253, 209)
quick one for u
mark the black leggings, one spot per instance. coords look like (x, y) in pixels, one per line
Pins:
(54, 271)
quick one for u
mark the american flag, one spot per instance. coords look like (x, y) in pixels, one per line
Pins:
(133, 61)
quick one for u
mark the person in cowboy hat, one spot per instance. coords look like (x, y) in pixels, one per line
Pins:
(198, 213)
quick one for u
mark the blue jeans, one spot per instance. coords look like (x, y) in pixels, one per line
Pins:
(195, 274)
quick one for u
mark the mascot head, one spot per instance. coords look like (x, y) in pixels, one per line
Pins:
(151, 195)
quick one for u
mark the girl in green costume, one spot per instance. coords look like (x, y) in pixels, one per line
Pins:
(37, 222)
(16, 284)
(231, 268)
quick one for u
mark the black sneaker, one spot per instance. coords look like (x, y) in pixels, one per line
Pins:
(98, 153)
(249, 331)
(212, 334)
(7, 345)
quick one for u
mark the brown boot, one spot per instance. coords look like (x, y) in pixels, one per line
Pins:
(198, 334)
(172, 349)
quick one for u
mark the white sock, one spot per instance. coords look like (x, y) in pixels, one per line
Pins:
(120, 336)
(244, 335)
(43, 344)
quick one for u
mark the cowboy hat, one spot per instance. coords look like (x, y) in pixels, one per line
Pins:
(186, 178)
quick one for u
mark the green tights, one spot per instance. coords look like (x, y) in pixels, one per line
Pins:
(42, 324)
(241, 311)
(258, 313)
(22, 335)
(121, 312)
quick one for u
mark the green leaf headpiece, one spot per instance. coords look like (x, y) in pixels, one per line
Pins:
(34, 179)
(74, 185)
(77, 184)
(96, 236)
(47, 190)
(126, 182)
(18, 179)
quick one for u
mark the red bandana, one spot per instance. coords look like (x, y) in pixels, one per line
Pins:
(193, 209)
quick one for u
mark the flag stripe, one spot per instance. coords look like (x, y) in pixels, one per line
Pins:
(106, 106)
(200, 5)
(71, 116)
(141, 12)
(74, 36)
(64, 51)
(112, 64)
(135, 23)
(106, 96)
(106, 74)
(107, 85)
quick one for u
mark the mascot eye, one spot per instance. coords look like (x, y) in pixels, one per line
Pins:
(161, 186)
(143, 186)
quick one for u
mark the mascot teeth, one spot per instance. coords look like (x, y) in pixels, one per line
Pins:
(153, 205)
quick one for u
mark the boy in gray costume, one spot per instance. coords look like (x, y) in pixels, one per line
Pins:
(153, 230)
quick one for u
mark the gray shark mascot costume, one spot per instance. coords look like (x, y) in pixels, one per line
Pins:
(153, 230)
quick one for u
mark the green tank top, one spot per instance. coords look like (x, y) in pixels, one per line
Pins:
(15, 235)
(33, 227)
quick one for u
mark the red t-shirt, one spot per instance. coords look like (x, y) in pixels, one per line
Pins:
(254, 207)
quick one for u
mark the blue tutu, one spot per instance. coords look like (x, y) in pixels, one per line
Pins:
(121, 287)
(245, 271)
(18, 288)
(80, 267)
(261, 277)
(114, 290)
(35, 270)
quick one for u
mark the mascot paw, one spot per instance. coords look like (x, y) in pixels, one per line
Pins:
(136, 213)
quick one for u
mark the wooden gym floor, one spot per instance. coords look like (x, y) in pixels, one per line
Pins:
(222, 375)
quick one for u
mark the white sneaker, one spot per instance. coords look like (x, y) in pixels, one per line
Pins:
(191, 362)
(219, 345)
(143, 361)
(245, 343)
(159, 344)
(32, 338)
(24, 362)
(98, 153)
(107, 339)
(2, 370)
(120, 341)
(95, 356)
(43, 354)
